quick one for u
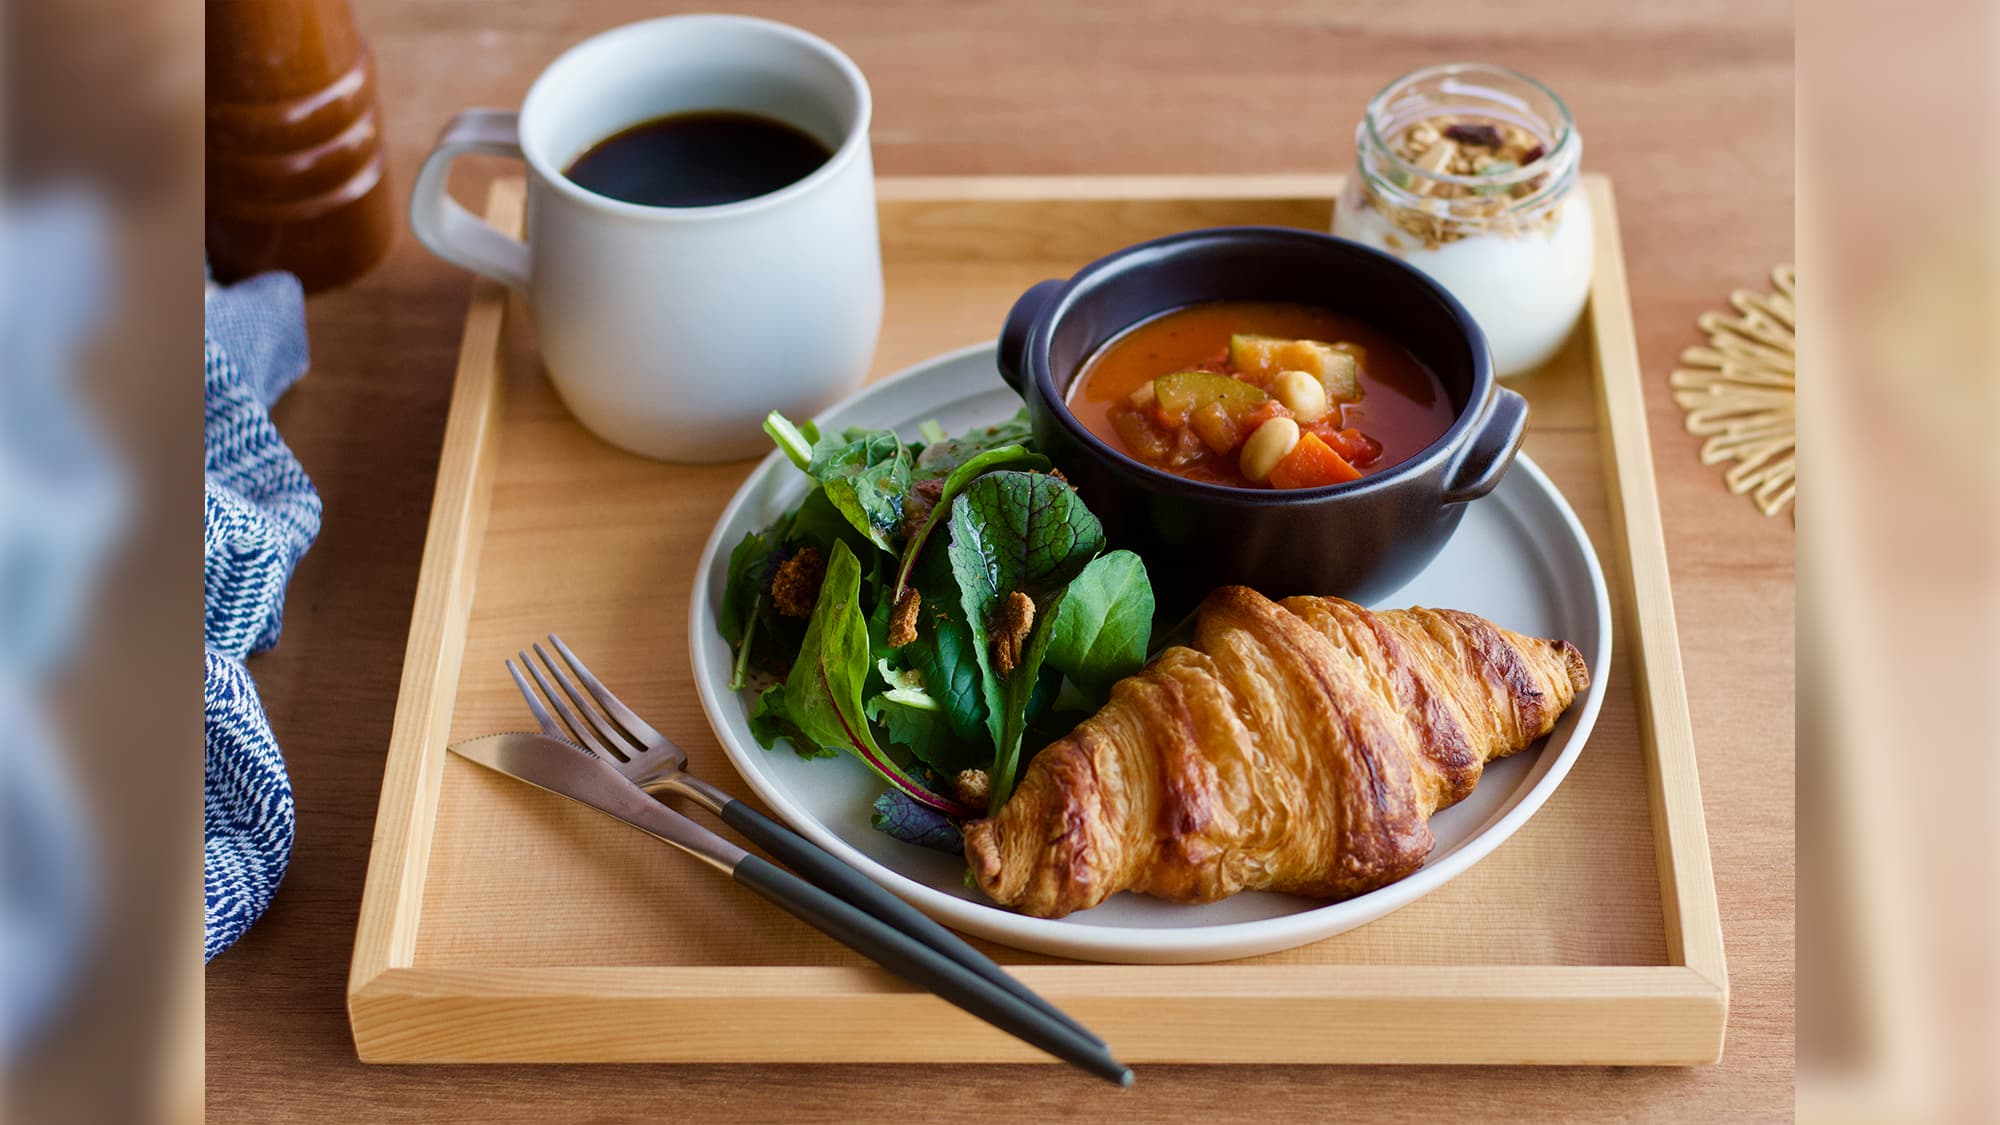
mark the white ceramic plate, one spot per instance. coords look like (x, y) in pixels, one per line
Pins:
(1519, 558)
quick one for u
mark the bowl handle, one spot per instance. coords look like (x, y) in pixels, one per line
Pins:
(1014, 337)
(1494, 442)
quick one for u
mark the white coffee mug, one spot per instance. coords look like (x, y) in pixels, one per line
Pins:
(673, 331)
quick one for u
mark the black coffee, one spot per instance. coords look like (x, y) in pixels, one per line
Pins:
(698, 160)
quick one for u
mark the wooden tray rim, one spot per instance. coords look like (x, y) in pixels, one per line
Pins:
(1562, 1014)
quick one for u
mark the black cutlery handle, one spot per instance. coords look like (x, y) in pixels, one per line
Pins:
(925, 967)
(822, 868)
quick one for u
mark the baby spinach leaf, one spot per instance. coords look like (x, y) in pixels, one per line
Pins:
(951, 674)
(818, 707)
(943, 655)
(915, 722)
(939, 458)
(772, 718)
(743, 595)
(952, 664)
(747, 564)
(1101, 628)
(890, 671)
(865, 475)
(819, 524)
(912, 823)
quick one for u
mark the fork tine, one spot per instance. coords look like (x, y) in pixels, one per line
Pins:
(621, 714)
(547, 721)
(625, 744)
(581, 731)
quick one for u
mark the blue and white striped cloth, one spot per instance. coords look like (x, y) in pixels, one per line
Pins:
(259, 515)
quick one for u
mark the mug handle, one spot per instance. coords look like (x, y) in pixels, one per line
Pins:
(443, 225)
(1491, 450)
(1014, 335)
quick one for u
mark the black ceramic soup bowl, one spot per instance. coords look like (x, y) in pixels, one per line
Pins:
(1361, 539)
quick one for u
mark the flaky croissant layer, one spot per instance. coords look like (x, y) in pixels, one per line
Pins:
(1299, 746)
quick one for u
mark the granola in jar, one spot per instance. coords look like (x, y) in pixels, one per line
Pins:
(1469, 172)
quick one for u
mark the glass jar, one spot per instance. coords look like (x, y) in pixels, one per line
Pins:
(1469, 172)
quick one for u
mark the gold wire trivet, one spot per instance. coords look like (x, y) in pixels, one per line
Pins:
(1740, 393)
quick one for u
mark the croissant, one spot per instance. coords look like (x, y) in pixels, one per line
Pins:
(1300, 746)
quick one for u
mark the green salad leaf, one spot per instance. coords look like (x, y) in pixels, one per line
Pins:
(1018, 609)
(865, 475)
(747, 617)
(939, 458)
(1102, 626)
(1016, 533)
(817, 523)
(743, 596)
(1019, 531)
(944, 656)
(749, 566)
(818, 707)
(917, 723)
(772, 718)
(955, 483)
(1019, 694)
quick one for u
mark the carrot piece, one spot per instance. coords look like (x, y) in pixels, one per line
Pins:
(1310, 464)
(1357, 448)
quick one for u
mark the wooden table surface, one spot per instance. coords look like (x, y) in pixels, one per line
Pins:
(1688, 106)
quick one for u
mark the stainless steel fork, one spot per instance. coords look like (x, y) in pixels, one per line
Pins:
(613, 732)
(618, 735)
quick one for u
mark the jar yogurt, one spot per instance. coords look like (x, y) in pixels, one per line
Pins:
(1469, 172)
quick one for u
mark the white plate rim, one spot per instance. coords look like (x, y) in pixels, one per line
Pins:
(1227, 940)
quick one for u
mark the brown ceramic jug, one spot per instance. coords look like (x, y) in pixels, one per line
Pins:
(295, 164)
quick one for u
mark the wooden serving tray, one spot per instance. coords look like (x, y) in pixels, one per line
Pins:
(500, 923)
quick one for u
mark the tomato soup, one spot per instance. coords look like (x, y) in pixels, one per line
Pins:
(1260, 395)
